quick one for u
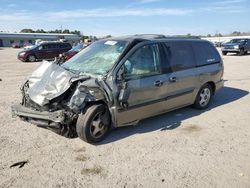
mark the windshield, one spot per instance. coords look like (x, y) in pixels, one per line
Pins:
(98, 58)
(237, 41)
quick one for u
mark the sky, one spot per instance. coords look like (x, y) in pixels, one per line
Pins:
(125, 17)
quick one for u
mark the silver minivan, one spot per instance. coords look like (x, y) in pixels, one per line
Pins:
(118, 82)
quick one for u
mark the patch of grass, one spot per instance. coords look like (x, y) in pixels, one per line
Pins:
(191, 128)
(81, 158)
(82, 149)
(96, 170)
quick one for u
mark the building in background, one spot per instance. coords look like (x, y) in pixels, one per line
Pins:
(7, 39)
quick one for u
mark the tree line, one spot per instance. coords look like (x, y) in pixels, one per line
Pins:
(235, 33)
(58, 31)
(77, 32)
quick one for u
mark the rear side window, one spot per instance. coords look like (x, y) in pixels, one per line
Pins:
(54, 45)
(205, 53)
(179, 55)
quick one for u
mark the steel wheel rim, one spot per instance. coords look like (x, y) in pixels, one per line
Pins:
(205, 96)
(97, 127)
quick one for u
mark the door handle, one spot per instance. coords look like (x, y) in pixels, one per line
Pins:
(158, 83)
(173, 79)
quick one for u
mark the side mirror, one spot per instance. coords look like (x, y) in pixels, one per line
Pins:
(121, 74)
(124, 95)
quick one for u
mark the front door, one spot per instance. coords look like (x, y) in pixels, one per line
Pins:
(143, 77)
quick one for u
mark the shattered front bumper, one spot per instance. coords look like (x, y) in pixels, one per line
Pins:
(22, 111)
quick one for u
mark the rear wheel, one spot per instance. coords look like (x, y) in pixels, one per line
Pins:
(31, 58)
(242, 52)
(203, 97)
(94, 125)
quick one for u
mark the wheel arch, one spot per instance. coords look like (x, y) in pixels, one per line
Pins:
(213, 86)
(103, 102)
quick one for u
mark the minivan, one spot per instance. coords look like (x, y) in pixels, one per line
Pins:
(118, 82)
(44, 51)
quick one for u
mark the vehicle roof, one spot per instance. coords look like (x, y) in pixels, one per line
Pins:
(154, 37)
(53, 42)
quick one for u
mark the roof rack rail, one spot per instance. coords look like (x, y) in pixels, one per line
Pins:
(183, 37)
(154, 36)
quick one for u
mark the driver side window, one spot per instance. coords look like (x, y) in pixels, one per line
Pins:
(143, 62)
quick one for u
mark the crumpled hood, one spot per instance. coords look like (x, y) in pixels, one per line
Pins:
(49, 81)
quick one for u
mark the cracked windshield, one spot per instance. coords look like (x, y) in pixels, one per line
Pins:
(98, 58)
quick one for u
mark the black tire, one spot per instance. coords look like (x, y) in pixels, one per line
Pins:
(85, 127)
(31, 58)
(198, 104)
(224, 53)
(242, 52)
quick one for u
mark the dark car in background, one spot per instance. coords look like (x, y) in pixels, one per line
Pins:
(69, 54)
(239, 46)
(46, 50)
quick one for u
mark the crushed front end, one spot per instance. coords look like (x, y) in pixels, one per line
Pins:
(54, 97)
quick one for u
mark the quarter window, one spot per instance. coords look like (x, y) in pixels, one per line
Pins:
(205, 53)
(179, 56)
(143, 62)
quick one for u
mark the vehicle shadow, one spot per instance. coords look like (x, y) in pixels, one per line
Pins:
(172, 120)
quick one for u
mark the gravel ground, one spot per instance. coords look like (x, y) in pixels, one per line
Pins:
(183, 148)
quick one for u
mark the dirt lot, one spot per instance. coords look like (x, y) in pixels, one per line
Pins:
(184, 148)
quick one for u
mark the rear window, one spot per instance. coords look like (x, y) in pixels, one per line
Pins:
(205, 53)
(179, 55)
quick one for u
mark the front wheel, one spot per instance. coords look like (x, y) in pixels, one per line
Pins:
(31, 58)
(203, 97)
(94, 125)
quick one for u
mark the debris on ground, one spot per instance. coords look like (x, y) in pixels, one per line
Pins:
(20, 164)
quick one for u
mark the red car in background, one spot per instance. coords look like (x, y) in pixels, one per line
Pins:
(69, 54)
(16, 45)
